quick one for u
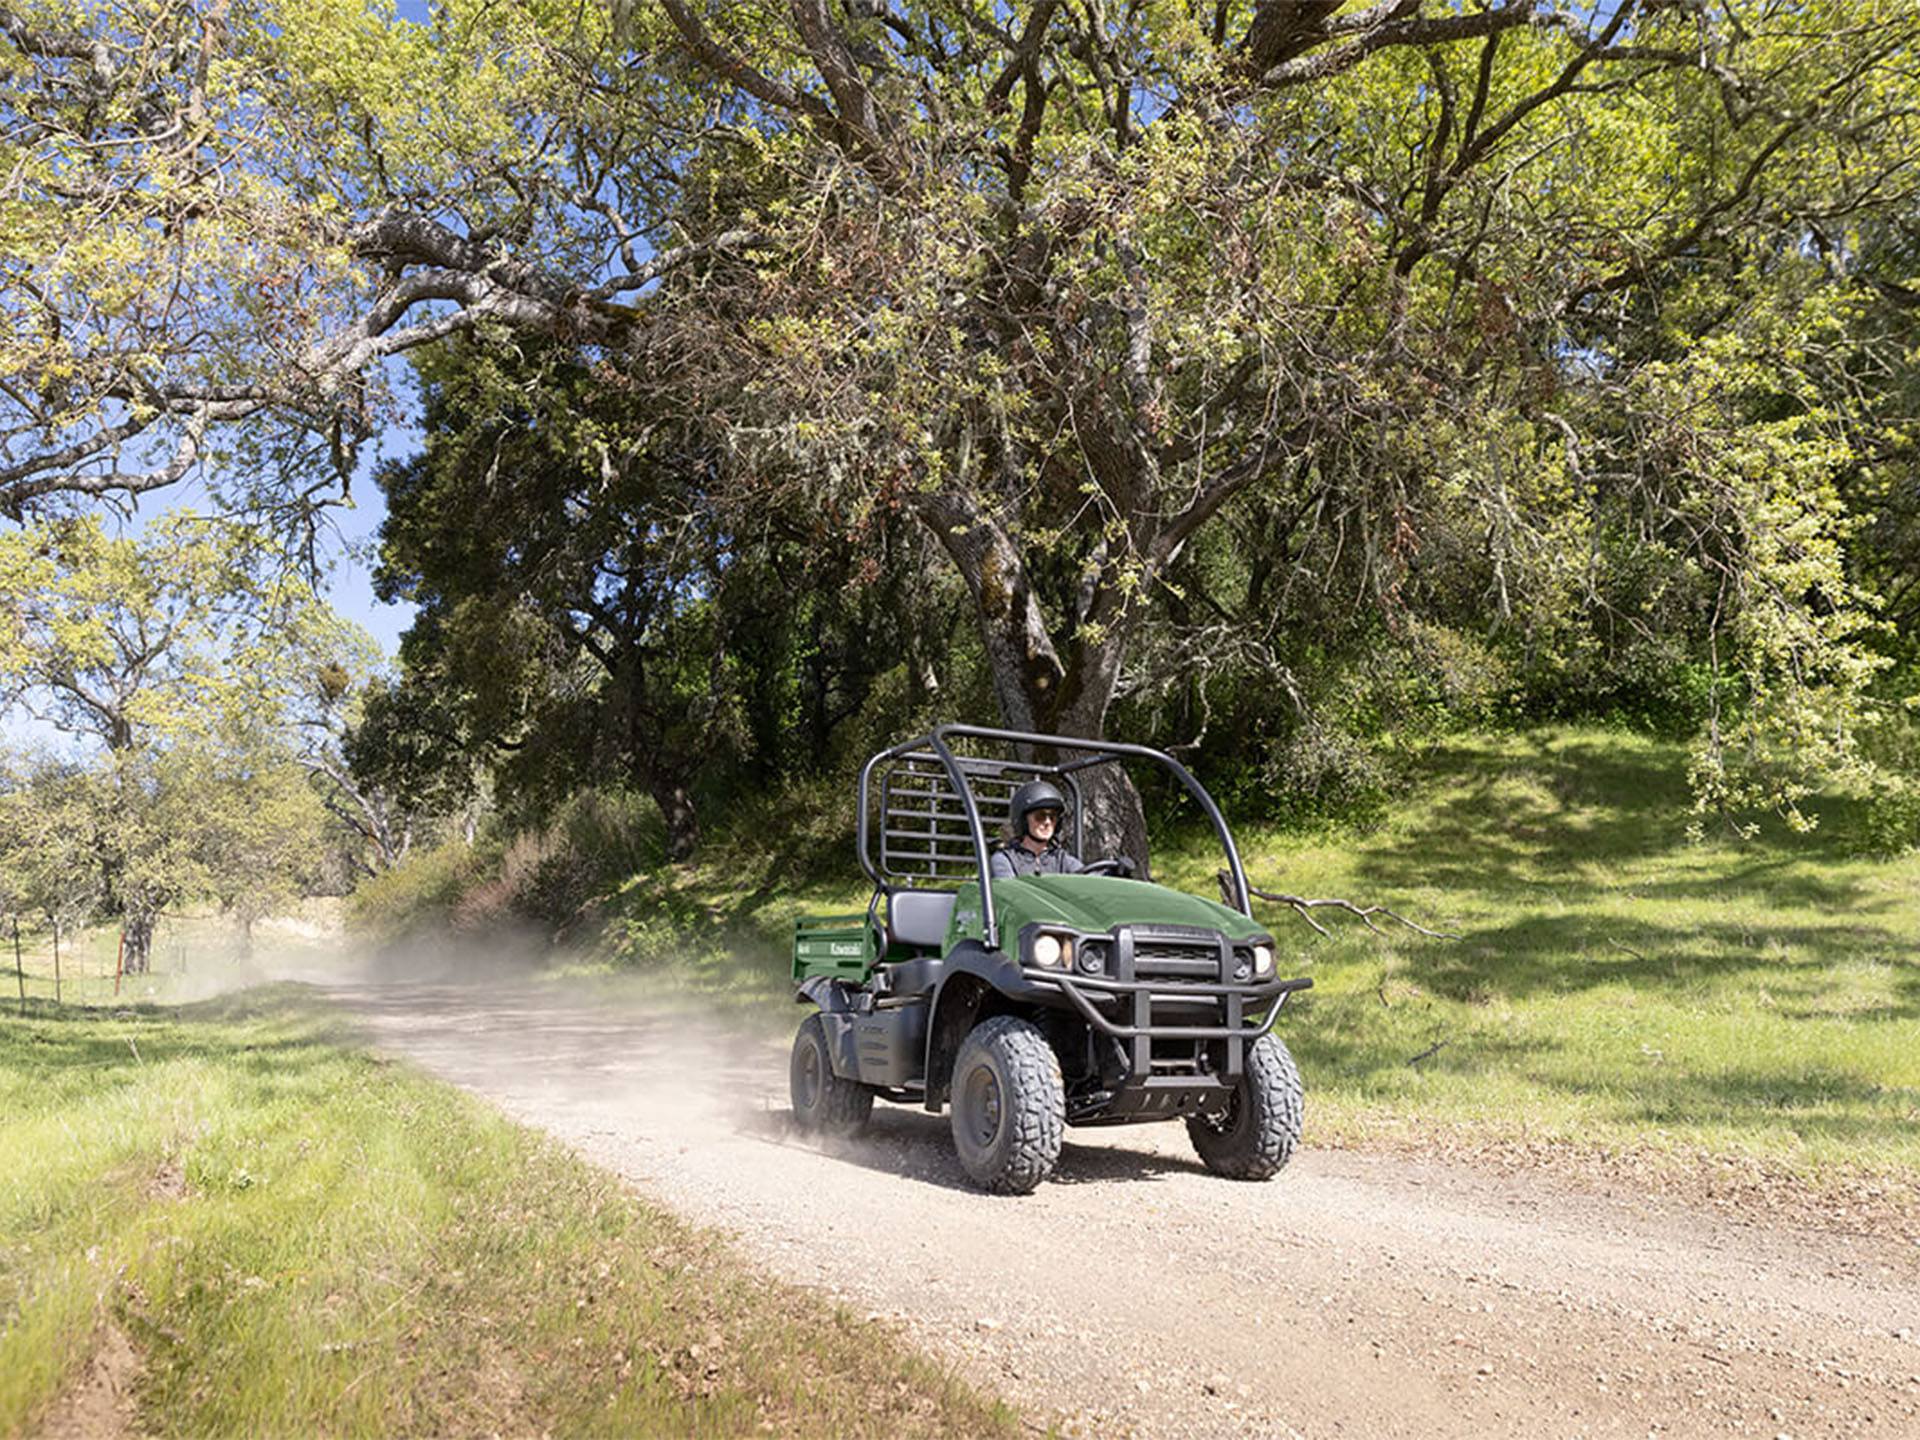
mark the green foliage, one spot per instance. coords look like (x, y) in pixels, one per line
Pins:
(261, 830)
(592, 607)
(131, 641)
(417, 895)
(1890, 816)
(1889, 822)
(182, 658)
(1416, 308)
(1355, 373)
(47, 828)
(189, 242)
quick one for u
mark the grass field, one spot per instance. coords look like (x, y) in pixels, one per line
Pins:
(268, 1231)
(1614, 987)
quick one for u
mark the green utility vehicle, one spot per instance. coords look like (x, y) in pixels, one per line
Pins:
(1030, 1004)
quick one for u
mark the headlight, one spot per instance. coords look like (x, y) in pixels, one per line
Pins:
(1262, 960)
(1048, 950)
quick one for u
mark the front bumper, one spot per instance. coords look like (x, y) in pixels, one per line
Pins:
(1157, 983)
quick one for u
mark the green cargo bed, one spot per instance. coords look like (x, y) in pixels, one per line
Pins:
(839, 947)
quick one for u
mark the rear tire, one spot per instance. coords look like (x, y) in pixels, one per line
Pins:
(1256, 1136)
(1009, 1106)
(822, 1100)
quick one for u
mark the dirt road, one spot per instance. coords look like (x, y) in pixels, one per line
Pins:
(1356, 1295)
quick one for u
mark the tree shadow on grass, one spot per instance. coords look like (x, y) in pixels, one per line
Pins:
(1436, 1047)
(1907, 982)
(1809, 1100)
(1545, 955)
(1570, 806)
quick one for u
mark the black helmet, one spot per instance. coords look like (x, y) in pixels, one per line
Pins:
(1032, 796)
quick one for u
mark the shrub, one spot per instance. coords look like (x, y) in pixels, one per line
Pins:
(418, 894)
(1890, 819)
(551, 873)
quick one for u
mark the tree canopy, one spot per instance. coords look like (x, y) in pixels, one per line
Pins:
(1230, 339)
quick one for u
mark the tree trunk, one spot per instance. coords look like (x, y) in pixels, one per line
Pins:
(682, 821)
(1116, 821)
(138, 929)
(1021, 659)
(1035, 689)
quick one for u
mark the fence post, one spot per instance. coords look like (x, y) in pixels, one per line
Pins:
(120, 960)
(56, 962)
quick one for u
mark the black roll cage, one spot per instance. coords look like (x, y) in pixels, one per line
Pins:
(1100, 752)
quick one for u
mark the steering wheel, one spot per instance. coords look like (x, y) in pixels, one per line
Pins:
(1119, 865)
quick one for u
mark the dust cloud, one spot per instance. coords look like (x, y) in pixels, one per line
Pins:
(620, 1047)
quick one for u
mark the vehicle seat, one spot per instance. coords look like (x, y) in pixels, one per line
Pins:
(919, 917)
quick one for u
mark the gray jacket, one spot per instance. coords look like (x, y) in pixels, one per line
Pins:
(1012, 859)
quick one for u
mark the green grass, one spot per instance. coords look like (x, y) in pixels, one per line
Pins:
(300, 1238)
(1614, 987)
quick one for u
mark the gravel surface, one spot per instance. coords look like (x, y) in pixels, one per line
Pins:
(1363, 1295)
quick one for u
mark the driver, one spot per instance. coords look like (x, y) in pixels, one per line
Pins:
(1033, 847)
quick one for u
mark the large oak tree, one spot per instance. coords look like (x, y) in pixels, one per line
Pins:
(1066, 279)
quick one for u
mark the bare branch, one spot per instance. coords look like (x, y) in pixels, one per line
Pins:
(1025, 55)
(58, 44)
(834, 58)
(1304, 906)
(667, 260)
(1472, 150)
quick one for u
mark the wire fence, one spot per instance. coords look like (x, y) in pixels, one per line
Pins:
(86, 968)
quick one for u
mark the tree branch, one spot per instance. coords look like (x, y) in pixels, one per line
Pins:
(1304, 906)
(729, 66)
(1305, 69)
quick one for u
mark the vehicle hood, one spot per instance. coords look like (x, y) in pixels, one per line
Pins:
(1096, 903)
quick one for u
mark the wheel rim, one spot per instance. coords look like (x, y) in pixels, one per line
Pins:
(983, 1106)
(1228, 1120)
(810, 1082)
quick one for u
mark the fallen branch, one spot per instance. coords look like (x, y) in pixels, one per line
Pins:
(1428, 1053)
(1302, 905)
